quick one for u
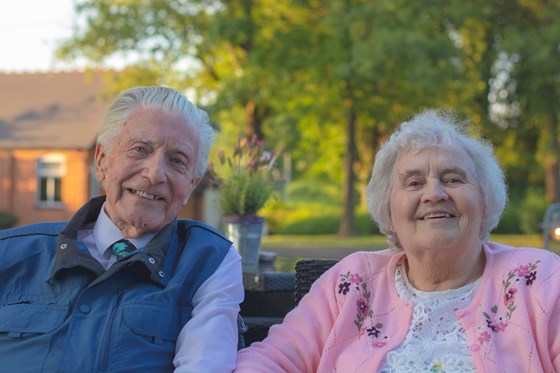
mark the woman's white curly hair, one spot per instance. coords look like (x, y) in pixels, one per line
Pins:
(434, 128)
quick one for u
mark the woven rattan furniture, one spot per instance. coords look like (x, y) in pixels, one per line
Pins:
(307, 271)
(269, 296)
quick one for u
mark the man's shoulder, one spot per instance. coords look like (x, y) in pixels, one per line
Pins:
(189, 224)
(45, 229)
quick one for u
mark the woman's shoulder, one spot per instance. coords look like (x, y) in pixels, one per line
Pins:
(499, 250)
(376, 256)
(513, 258)
(368, 262)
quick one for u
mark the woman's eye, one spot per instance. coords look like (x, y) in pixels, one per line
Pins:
(453, 180)
(178, 161)
(140, 149)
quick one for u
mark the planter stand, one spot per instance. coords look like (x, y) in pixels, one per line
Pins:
(245, 232)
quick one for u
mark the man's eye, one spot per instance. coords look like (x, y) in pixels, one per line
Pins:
(140, 149)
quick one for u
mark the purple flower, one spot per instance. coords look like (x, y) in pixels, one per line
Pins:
(363, 306)
(509, 296)
(373, 332)
(344, 288)
(530, 278)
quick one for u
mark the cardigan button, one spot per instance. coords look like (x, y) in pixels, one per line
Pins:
(63, 246)
(459, 313)
(475, 347)
(152, 260)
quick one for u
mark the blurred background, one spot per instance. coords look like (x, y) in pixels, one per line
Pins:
(323, 81)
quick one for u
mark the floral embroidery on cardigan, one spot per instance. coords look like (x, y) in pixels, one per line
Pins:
(522, 275)
(364, 321)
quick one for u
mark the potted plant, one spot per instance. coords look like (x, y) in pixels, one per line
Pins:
(249, 181)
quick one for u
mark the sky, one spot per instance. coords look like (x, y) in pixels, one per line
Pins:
(30, 31)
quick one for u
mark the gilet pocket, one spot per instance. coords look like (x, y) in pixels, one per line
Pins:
(25, 334)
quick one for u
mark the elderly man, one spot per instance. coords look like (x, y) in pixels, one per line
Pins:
(124, 286)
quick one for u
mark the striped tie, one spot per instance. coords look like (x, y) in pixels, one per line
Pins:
(122, 248)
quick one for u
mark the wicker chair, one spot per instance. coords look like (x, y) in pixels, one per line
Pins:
(307, 271)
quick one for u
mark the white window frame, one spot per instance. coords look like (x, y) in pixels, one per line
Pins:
(56, 171)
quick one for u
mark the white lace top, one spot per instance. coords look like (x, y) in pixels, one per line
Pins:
(436, 340)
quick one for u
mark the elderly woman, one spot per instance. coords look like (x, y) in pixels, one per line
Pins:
(441, 298)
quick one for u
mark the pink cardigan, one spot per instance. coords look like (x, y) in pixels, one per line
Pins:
(353, 316)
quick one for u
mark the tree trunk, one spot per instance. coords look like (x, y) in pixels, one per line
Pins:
(254, 118)
(552, 165)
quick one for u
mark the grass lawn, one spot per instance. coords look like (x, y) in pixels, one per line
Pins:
(379, 242)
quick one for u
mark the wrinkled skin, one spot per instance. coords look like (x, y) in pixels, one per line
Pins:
(148, 173)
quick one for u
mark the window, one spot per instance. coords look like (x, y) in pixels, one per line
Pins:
(51, 169)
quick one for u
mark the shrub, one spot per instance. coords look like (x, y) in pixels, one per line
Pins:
(251, 178)
(524, 216)
(7, 219)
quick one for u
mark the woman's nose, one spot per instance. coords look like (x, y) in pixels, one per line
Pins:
(435, 191)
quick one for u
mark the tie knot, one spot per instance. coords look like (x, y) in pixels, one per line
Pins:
(122, 248)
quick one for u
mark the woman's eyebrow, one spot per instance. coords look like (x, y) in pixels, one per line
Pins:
(455, 170)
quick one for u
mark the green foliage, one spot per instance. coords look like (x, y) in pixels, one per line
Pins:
(524, 215)
(296, 71)
(300, 223)
(244, 194)
(250, 177)
(7, 219)
(532, 211)
(509, 222)
(310, 217)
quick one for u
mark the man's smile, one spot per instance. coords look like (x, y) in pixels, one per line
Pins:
(145, 195)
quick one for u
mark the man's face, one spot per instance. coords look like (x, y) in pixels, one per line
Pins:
(148, 172)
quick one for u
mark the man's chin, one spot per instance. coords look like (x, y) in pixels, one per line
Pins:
(141, 226)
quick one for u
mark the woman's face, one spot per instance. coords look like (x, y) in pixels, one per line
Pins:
(436, 202)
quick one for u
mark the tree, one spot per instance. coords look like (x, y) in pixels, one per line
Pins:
(204, 45)
(529, 93)
(329, 80)
(385, 56)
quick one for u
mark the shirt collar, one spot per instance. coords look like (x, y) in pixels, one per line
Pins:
(105, 233)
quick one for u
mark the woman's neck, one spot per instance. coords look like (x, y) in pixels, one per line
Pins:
(435, 271)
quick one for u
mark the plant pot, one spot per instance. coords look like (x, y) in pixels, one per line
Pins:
(245, 232)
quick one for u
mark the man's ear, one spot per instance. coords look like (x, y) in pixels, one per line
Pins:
(194, 183)
(100, 158)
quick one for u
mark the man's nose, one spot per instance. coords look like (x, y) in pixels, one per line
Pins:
(155, 169)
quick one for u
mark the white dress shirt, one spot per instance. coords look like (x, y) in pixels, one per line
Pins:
(208, 342)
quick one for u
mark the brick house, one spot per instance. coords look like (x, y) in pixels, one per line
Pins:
(48, 124)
